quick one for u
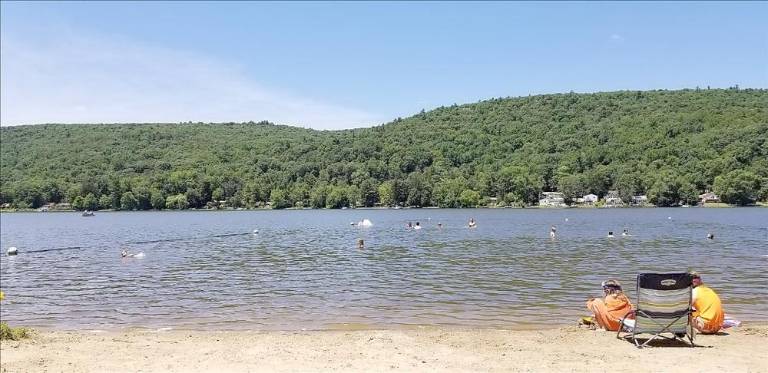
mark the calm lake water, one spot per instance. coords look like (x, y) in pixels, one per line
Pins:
(206, 270)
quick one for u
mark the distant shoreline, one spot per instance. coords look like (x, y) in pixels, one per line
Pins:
(709, 206)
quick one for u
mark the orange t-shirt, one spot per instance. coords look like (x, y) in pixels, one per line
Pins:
(618, 305)
(708, 306)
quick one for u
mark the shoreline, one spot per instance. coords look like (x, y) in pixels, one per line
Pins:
(425, 349)
(712, 206)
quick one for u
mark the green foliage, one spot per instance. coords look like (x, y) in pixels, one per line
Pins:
(128, 201)
(469, 198)
(738, 187)
(105, 202)
(14, 334)
(670, 145)
(178, 202)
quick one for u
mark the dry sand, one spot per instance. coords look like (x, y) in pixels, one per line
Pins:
(421, 349)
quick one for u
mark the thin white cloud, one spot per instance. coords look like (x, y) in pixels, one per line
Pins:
(88, 80)
(617, 38)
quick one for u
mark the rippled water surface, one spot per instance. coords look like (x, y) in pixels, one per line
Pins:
(207, 270)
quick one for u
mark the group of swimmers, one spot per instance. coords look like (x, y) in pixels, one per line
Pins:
(472, 224)
(708, 315)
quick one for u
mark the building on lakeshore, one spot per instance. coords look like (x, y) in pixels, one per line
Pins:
(589, 199)
(639, 200)
(612, 199)
(552, 199)
(709, 197)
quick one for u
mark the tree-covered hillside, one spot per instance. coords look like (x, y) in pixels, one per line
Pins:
(670, 145)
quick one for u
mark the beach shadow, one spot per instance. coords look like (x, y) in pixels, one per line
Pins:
(666, 343)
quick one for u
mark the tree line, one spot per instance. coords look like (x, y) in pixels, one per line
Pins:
(668, 145)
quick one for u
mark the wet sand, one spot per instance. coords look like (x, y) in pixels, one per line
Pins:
(421, 349)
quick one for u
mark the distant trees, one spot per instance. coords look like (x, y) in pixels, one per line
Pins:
(670, 145)
(738, 187)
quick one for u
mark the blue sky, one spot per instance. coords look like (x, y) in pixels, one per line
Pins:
(342, 65)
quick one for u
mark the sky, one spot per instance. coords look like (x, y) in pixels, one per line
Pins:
(341, 65)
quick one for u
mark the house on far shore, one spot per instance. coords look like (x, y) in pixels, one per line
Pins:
(639, 200)
(709, 197)
(612, 199)
(63, 206)
(5, 206)
(552, 199)
(589, 199)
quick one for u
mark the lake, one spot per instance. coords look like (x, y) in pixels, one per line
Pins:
(207, 270)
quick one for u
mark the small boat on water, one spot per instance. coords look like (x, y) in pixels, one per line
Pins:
(87, 213)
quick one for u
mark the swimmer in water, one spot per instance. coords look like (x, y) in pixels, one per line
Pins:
(710, 236)
(625, 232)
(417, 226)
(472, 223)
(610, 234)
(552, 232)
(360, 244)
(409, 226)
(127, 254)
(440, 225)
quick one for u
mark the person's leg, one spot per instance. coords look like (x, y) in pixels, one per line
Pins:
(602, 318)
(703, 326)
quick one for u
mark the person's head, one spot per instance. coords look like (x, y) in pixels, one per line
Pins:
(439, 225)
(611, 287)
(610, 233)
(417, 224)
(360, 244)
(124, 253)
(710, 236)
(696, 278)
(409, 224)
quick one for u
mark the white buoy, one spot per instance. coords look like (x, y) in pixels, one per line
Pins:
(13, 250)
(566, 219)
(669, 218)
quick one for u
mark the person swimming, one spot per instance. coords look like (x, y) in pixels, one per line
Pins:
(409, 226)
(127, 254)
(710, 236)
(610, 234)
(440, 225)
(552, 232)
(625, 232)
(418, 226)
(360, 244)
(472, 223)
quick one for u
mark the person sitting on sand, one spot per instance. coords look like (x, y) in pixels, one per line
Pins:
(708, 314)
(609, 311)
(472, 223)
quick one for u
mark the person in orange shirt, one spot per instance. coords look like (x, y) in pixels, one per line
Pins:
(609, 311)
(708, 314)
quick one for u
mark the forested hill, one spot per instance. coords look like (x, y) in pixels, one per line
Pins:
(670, 145)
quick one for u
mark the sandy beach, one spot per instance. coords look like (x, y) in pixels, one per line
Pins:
(418, 349)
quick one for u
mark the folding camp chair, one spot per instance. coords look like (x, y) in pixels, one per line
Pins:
(663, 306)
